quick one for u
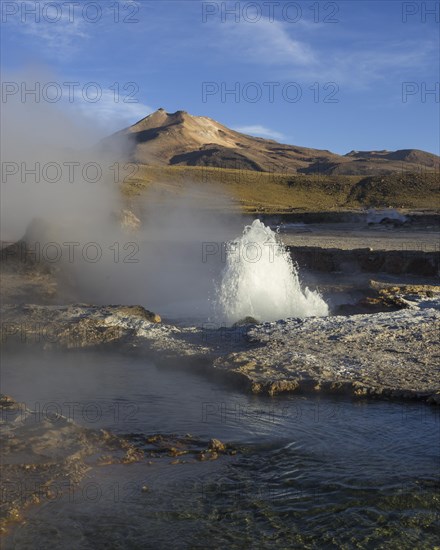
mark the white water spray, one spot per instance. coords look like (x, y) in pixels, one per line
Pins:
(261, 281)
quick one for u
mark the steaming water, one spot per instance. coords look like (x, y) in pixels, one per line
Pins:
(312, 472)
(261, 281)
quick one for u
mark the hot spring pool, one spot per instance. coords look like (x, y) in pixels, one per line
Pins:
(312, 472)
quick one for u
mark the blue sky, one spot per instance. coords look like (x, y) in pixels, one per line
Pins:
(332, 75)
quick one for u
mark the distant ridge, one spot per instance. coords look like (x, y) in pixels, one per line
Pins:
(180, 138)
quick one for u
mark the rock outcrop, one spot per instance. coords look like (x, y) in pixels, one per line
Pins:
(392, 354)
(384, 354)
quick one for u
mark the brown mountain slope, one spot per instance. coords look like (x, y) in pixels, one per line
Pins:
(182, 139)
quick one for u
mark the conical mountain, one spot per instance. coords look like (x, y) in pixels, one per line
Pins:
(180, 138)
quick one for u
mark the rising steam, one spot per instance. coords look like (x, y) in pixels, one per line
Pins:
(60, 190)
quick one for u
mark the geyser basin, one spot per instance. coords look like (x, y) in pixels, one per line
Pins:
(261, 281)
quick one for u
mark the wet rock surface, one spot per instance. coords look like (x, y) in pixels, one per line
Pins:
(74, 326)
(390, 354)
(38, 455)
(385, 354)
(45, 456)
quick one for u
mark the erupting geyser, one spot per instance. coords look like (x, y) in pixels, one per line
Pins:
(261, 281)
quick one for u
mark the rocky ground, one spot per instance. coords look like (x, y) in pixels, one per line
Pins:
(389, 354)
(386, 354)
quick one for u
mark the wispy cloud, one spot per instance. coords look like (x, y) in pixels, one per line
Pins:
(271, 44)
(63, 28)
(363, 68)
(267, 42)
(260, 131)
(60, 36)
